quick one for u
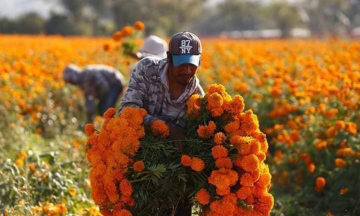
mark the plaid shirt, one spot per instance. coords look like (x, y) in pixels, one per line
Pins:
(148, 88)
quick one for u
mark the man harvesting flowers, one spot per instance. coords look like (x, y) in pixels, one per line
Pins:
(163, 86)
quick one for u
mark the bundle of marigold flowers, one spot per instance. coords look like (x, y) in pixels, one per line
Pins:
(137, 171)
(132, 174)
(233, 149)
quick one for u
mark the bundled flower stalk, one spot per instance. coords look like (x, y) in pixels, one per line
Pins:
(136, 171)
(238, 179)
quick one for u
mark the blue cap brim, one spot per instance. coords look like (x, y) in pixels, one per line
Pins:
(186, 59)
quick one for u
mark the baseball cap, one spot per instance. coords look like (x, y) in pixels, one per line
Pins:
(153, 46)
(185, 48)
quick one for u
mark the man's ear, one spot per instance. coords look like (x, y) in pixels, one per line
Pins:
(169, 57)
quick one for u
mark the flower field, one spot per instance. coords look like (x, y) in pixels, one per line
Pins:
(305, 95)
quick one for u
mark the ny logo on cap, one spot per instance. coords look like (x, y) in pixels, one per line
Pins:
(185, 46)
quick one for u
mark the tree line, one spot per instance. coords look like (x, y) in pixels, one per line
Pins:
(164, 17)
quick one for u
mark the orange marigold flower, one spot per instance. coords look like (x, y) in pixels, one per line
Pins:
(193, 105)
(224, 163)
(89, 129)
(138, 25)
(203, 197)
(351, 127)
(219, 138)
(340, 163)
(320, 145)
(106, 47)
(117, 35)
(160, 128)
(264, 180)
(237, 105)
(232, 127)
(219, 152)
(139, 166)
(127, 30)
(206, 131)
(216, 88)
(249, 122)
(98, 194)
(122, 212)
(110, 113)
(231, 197)
(311, 168)
(215, 100)
(244, 192)
(320, 183)
(197, 164)
(344, 191)
(106, 212)
(250, 163)
(125, 188)
(261, 156)
(186, 160)
(247, 180)
(223, 192)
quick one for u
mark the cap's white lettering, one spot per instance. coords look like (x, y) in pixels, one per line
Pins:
(185, 46)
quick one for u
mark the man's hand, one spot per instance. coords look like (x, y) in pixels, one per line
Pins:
(176, 133)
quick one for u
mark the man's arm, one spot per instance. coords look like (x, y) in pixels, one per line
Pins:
(137, 91)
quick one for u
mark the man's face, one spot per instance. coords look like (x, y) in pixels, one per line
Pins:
(184, 73)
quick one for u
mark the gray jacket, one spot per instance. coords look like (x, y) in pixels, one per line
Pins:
(148, 88)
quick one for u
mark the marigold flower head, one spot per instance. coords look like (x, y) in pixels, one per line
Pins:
(206, 131)
(193, 105)
(203, 197)
(232, 127)
(186, 160)
(311, 168)
(219, 151)
(247, 180)
(110, 113)
(139, 166)
(197, 164)
(117, 35)
(244, 192)
(344, 191)
(249, 122)
(215, 100)
(250, 163)
(320, 183)
(224, 163)
(223, 192)
(216, 88)
(122, 212)
(340, 163)
(219, 138)
(106, 212)
(264, 180)
(351, 127)
(127, 30)
(125, 188)
(138, 25)
(160, 128)
(216, 112)
(237, 105)
(89, 129)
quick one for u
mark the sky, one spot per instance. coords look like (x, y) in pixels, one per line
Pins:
(14, 8)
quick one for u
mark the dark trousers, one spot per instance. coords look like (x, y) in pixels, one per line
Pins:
(109, 100)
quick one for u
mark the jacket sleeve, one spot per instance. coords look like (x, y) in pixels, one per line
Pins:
(137, 91)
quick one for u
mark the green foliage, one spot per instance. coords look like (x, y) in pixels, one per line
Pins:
(46, 180)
